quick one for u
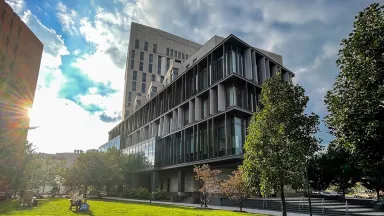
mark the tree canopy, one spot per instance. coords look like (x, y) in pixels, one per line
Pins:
(281, 138)
(356, 101)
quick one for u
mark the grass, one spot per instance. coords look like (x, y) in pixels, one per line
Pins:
(60, 206)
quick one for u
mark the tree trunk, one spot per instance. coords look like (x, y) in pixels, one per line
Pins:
(283, 205)
(378, 193)
(343, 197)
(241, 206)
(43, 188)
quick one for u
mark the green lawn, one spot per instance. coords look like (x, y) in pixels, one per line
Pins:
(104, 207)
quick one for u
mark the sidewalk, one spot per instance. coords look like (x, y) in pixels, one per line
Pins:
(249, 210)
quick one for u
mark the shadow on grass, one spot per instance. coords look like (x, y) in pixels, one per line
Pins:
(14, 205)
(167, 205)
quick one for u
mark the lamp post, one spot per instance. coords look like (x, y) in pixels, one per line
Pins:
(308, 190)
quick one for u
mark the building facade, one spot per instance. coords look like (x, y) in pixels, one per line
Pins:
(20, 56)
(150, 53)
(199, 116)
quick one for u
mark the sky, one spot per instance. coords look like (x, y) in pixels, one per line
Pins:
(81, 80)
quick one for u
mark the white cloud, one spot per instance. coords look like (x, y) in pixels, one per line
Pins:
(17, 5)
(67, 18)
(64, 126)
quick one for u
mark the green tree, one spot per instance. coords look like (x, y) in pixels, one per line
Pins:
(356, 101)
(281, 137)
(343, 166)
(319, 173)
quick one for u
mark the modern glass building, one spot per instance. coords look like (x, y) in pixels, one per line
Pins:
(115, 142)
(199, 116)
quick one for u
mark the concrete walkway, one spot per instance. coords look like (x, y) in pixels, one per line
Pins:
(249, 210)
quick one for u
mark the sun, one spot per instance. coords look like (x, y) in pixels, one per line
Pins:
(31, 113)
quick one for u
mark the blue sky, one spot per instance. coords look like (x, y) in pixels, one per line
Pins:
(80, 87)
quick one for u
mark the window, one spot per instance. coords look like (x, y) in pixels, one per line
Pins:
(167, 51)
(141, 66)
(168, 63)
(145, 46)
(174, 74)
(132, 64)
(129, 96)
(161, 79)
(154, 48)
(159, 65)
(154, 89)
(171, 52)
(231, 97)
(186, 57)
(137, 44)
(175, 54)
(153, 78)
(182, 55)
(134, 75)
(205, 107)
(149, 68)
(133, 54)
(221, 138)
(143, 87)
(141, 56)
(237, 136)
(179, 55)
(150, 58)
(144, 77)
(133, 85)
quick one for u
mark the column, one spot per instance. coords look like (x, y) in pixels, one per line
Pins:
(179, 117)
(197, 109)
(254, 67)
(163, 65)
(248, 64)
(191, 111)
(212, 101)
(181, 183)
(268, 69)
(174, 120)
(155, 181)
(262, 72)
(274, 70)
(221, 97)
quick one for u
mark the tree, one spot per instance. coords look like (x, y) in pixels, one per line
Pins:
(281, 138)
(319, 172)
(343, 166)
(252, 179)
(235, 187)
(356, 101)
(210, 182)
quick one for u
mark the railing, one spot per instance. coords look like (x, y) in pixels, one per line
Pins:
(301, 203)
(322, 206)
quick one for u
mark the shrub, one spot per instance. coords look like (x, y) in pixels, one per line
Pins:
(142, 193)
(159, 195)
(130, 193)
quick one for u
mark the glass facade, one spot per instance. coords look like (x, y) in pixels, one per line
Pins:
(113, 143)
(144, 153)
